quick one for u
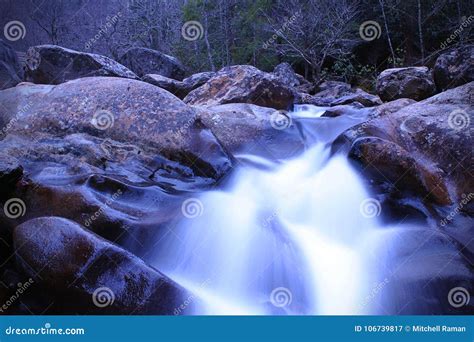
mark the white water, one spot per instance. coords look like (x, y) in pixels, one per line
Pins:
(289, 239)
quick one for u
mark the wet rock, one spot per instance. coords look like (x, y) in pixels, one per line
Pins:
(391, 107)
(90, 275)
(265, 131)
(384, 160)
(10, 70)
(52, 64)
(428, 142)
(242, 84)
(144, 61)
(414, 83)
(350, 109)
(122, 110)
(175, 87)
(454, 68)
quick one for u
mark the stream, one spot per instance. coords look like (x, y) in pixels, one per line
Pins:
(282, 237)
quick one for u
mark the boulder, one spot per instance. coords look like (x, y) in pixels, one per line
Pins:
(391, 107)
(122, 110)
(285, 73)
(426, 145)
(89, 275)
(266, 131)
(195, 81)
(454, 67)
(52, 64)
(144, 61)
(177, 88)
(334, 88)
(242, 84)
(10, 70)
(414, 83)
(333, 93)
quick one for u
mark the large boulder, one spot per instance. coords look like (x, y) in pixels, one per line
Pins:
(87, 274)
(10, 70)
(240, 126)
(414, 83)
(426, 145)
(454, 67)
(52, 64)
(119, 109)
(144, 61)
(242, 84)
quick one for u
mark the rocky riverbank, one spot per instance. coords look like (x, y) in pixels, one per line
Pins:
(96, 152)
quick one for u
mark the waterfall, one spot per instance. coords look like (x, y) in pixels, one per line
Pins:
(288, 238)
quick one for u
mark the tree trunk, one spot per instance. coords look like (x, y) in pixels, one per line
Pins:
(388, 32)
(420, 34)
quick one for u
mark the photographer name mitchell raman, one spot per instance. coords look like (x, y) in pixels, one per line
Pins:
(438, 328)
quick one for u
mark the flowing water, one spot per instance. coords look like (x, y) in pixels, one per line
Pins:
(282, 237)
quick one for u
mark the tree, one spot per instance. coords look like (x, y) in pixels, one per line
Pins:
(314, 30)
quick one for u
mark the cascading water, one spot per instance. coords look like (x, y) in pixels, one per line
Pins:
(287, 238)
